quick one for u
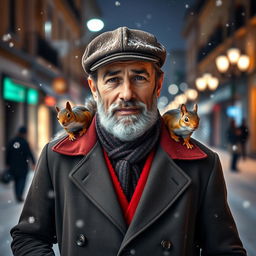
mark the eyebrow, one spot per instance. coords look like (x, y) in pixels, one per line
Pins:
(136, 71)
(141, 71)
(111, 73)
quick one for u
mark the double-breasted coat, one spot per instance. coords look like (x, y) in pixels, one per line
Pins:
(183, 208)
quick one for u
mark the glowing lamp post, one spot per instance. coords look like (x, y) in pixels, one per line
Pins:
(207, 80)
(234, 59)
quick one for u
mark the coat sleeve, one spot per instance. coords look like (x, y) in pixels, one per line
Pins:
(35, 232)
(219, 235)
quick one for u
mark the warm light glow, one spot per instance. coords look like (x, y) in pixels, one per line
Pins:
(95, 25)
(173, 89)
(201, 84)
(181, 99)
(233, 55)
(191, 94)
(222, 63)
(213, 83)
(59, 85)
(243, 62)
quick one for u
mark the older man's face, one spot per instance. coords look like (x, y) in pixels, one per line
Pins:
(126, 95)
(127, 81)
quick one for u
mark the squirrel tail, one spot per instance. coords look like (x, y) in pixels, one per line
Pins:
(91, 105)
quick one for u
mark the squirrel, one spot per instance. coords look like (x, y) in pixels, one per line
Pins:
(73, 120)
(182, 123)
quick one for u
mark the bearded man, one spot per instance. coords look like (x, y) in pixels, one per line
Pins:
(126, 187)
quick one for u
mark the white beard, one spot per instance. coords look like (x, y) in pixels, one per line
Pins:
(127, 128)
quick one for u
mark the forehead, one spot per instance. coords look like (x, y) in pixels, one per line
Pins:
(127, 66)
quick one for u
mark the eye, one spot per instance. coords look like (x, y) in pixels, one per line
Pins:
(113, 80)
(68, 115)
(186, 119)
(139, 78)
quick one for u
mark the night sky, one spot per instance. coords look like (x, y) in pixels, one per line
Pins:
(163, 18)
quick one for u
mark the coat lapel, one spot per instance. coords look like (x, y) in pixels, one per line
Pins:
(166, 182)
(92, 178)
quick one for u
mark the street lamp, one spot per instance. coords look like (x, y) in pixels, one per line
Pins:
(233, 59)
(207, 80)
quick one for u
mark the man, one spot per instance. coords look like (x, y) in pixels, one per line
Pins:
(125, 187)
(18, 154)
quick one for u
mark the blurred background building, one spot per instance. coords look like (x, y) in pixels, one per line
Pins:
(40, 64)
(220, 65)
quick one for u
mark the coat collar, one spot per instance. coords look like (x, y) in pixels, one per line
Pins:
(83, 145)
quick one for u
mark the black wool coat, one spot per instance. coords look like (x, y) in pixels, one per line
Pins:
(183, 209)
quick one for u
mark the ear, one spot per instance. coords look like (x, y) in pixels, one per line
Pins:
(195, 108)
(183, 109)
(159, 84)
(68, 106)
(93, 88)
(57, 109)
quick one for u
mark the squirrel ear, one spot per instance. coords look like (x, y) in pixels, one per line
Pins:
(195, 108)
(57, 109)
(183, 109)
(68, 106)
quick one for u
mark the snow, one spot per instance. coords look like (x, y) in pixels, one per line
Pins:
(31, 219)
(117, 3)
(16, 145)
(218, 3)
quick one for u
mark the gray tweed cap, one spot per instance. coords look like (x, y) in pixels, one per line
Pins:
(122, 44)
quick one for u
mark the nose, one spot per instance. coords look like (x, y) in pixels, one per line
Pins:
(126, 93)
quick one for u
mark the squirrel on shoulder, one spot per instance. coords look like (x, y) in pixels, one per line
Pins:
(182, 123)
(74, 120)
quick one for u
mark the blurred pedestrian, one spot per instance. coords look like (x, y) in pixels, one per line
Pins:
(233, 136)
(243, 138)
(18, 154)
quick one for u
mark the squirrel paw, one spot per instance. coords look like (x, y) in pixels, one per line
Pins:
(71, 136)
(189, 146)
(175, 137)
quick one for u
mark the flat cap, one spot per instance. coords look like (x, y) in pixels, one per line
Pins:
(122, 44)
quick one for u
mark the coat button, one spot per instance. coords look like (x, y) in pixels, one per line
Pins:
(166, 244)
(81, 240)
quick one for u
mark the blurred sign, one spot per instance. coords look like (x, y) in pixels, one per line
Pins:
(12, 91)
(59, 85)
(50, 101)
(32, 96)
(19, 93)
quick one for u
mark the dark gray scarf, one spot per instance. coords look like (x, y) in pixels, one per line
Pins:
(128, 158)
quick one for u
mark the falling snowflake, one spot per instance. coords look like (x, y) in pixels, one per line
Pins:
(218, 3)
(243, 14)
(209, 44)
(132, 252)
(79, 223)
(76, 57)
(212, 96)
(117, 3)
(51, 194)
(40, 84)
(192, 13)
(176, 215)
(24, 72)
(31, 219)
(246, 204)
(9, 201)
(234, 147)
(216, 215)
(6, 37)
(19, 29)
(227, 25)
(187, 6)
(16, 145)
(11, 44)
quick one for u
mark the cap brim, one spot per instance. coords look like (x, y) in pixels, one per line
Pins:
(120, 57)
